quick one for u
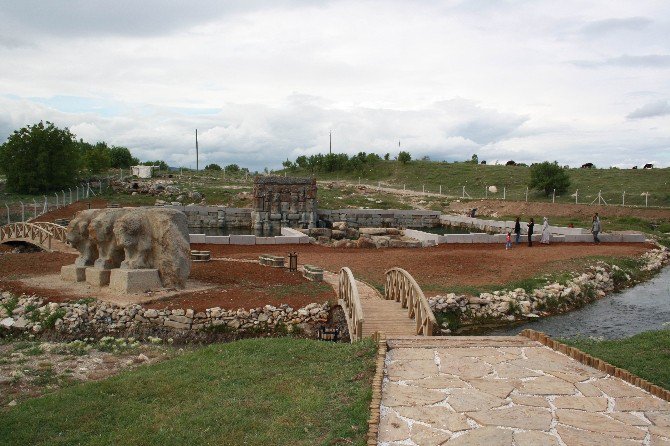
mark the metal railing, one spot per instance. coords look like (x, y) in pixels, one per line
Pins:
(351, 303)
(401, 287)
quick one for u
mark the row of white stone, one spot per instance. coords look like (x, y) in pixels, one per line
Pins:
(289, 237)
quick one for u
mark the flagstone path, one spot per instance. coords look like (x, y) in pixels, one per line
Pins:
(509, 391)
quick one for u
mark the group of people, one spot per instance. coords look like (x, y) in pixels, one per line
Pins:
(546, 235)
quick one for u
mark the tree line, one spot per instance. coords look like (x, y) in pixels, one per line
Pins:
(42, 157)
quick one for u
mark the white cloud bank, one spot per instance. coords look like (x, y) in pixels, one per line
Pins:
(263, 82)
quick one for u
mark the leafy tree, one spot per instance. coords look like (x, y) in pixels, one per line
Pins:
(212, 166)
(548, 176)
(96, 158)
(121, 158)
(232, 168)
(301, 161)
(404, 157)
(39, 158)
(474, 159)
(162, 165)
(387, 157)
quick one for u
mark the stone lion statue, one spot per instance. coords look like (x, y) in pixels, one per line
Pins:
(101, 229)
(79, 238)
(156, 238)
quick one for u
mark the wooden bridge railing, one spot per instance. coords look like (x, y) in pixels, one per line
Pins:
(401, 287)
(39, 234)
(347, 294)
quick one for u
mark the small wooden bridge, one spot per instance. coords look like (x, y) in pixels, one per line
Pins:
(402, 311)
(45, 235)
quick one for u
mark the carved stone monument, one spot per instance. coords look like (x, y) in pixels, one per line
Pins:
(284, 201)
(130, 249)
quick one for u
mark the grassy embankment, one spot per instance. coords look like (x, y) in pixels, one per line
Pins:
(646, 355)
(256, 392)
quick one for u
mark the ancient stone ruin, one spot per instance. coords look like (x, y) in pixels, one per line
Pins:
(130, 249)
(284, 201)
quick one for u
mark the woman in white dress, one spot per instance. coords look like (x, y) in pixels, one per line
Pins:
(546, 236)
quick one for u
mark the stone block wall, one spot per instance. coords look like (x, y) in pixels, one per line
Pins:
(380, 218)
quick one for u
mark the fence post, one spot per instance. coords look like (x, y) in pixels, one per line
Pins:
(553, 196)
(486, 192)
(34, 208)
(424, 188)
(63, 197)
(576, 195)
(46, 205)
(504, 192)
(526, 194)
(23, 211)
(440, 189)
(623, 199)
(56, 194)
(9, 220)
(70, 189)
(100, 186)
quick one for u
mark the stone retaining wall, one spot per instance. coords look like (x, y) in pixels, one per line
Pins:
(515, 304)
(32, 315)
(378, 218)
(289, 237)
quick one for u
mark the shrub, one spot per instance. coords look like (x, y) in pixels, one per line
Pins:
(548, 177)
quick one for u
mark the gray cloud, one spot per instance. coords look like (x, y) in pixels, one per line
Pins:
(123, 17)
(607, 26)
(646, 61)
(650, 110)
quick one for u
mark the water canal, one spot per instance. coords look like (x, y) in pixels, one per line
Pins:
(641, 308)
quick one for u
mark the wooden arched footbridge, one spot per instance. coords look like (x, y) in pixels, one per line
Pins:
(402, 311)
(45, 235)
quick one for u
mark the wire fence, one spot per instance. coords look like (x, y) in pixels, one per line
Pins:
(628, 198)
(30, 208)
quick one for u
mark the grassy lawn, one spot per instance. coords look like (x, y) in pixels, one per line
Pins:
(256, 392)
(647, 355)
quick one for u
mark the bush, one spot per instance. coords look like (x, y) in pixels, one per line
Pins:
(213, 166)
(548, 176)
(404, 157)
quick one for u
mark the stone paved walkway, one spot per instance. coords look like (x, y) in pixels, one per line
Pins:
(509, 391)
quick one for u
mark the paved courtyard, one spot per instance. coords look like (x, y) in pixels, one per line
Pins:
(509, 391)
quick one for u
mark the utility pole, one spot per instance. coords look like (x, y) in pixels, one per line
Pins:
(196, 150)
(330, 143)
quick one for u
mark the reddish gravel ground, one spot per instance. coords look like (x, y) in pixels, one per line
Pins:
(69, 210)
(237, 284)
(444, 265)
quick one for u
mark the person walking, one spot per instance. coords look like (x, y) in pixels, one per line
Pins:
(530, 225)
(595, 228)
(517, 230)
(546, 235)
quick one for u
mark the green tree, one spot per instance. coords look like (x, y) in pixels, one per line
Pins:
(162, 165)
(474, 159)
(404, 157)
(39, 158)
(548, 176)
(387, 157)
(232, 168)
(121, 158)
(212, 166)
(96, 158)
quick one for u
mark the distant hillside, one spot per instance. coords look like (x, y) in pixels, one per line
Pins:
(476, 177)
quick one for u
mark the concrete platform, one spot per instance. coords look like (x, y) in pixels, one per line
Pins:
(73, 273)
(97, 276)
(470, 390)
(134, 280)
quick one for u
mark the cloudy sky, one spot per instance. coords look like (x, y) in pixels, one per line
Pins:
(262, 81)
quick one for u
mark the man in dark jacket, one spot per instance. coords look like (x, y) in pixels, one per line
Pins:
(530, 225)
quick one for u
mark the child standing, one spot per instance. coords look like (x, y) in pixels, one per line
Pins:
(508, 240)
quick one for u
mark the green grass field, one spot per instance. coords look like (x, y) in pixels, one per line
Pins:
(646, 355)
(476, 177)
(256, 392)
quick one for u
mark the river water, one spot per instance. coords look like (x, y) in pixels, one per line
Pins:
(641, 308)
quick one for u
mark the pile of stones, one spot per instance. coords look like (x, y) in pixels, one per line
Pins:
(343, 236)
(513, 304)
(166, 189)
(31, 314)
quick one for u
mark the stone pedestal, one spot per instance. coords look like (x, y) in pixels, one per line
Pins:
(73, 273)
(97, 276)
(134, 280)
